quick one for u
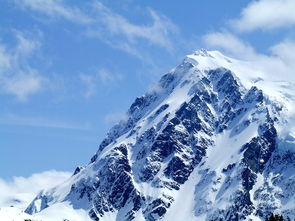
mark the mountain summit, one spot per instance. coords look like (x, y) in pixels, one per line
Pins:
(213, 140)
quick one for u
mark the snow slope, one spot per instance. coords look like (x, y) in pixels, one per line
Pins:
(14, 214)
(58, 212)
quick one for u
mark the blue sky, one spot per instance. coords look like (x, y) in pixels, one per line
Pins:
(70, 69)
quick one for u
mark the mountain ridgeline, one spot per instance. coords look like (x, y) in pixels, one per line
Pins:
(201, 145)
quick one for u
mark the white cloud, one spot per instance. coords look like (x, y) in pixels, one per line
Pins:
(110, 27)
(284, 54)
(102, 76)
(154, 88)
(120, 33)
(90, 84)
(285, 51)
(119, 44)
(112, 118)
(5, 59)
(106, 76)
(266, 15)
(279, 64)
(229, 43)
(22, 84)
(55, 9)
(20, 191)
(16, 76)
(25, 46)
(158, 32)
(11, 119)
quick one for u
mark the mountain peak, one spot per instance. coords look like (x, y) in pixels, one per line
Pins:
(207, 131)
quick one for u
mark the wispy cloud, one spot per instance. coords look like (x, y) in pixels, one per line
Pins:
(12, 119)
(89, 83)
(280, 62)
(266, 15)
(285, 50)
(106, 76)
(112, 118)
(101, 77)
(20, 191)
(110, 27)
(55, 9)
(158, 32)
(17, 77)
(230, 43)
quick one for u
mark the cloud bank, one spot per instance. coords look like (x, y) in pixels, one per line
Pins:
(20, 191)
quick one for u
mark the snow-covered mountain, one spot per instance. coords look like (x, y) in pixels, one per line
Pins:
(213, 140)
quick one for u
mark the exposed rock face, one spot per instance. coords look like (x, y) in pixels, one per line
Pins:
(200, 125)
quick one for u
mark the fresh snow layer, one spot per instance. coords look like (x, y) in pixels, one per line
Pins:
(183, 207)
(14, 214)
(62, 211)
(57, 212)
